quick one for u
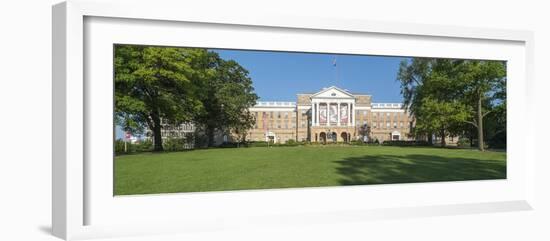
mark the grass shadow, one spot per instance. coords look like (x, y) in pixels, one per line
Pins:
(385, 169)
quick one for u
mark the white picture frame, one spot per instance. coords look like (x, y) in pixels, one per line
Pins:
(78, 197)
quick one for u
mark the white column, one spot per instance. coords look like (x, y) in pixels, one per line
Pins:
(328, 115)
(349, 114)
(338, 113)
(317, 113)
(312, 114)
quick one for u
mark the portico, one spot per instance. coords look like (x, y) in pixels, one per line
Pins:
(332, 117)
(332, 107)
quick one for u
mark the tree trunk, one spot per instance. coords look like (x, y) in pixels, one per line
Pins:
(210, 136)
(157, 136)
(480, 124)
(443, 142)
(430, 139)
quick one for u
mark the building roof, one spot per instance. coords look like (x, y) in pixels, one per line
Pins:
(275, 104)
(325, 88)
(386, 105)
(333, 88)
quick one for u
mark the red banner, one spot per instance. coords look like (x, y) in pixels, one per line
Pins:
(322, 114)
(333, 113)
(343, 114)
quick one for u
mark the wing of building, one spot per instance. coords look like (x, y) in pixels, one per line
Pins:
(330, 115)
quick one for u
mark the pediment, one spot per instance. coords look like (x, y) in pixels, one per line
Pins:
(332, 92)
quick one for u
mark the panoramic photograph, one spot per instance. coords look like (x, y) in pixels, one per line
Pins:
(200, 119)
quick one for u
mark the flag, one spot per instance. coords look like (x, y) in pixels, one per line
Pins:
(334, 62)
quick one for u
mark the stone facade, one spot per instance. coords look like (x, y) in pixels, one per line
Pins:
(330, 115)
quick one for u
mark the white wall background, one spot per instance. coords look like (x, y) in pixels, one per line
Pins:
(25, 119)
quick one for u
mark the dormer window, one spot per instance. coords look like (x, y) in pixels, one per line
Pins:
(333, 94)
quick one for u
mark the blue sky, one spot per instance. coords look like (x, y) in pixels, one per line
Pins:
(281, 75)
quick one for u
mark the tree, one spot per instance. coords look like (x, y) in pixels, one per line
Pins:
(365, 130)
(241, 126)
(152, 86)
(440, 117)
(443, 94)
(238, 96)
(411, 75)
(484, 86)
(429, 90)
(226, 95)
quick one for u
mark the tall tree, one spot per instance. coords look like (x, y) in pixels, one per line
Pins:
(151, 86)
(429, 91)
(484, 87)
(226, 94)
(238, 96)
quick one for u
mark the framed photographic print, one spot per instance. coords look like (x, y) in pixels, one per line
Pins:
(167, 122)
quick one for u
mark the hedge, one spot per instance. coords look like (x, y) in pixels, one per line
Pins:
(405, 143)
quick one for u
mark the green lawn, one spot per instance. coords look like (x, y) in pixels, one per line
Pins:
(281, 167)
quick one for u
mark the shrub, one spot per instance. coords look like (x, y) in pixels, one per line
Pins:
(140, 146)
(362, 143)
(290, 142)
(257, 144)
(143, 146)
(405, 143)
(119, 146)
(463, 142)
(174, 144)
(229, 145)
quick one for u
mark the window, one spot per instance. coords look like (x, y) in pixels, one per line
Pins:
(364, 112)
(387, 125)
(374, 124)
(271, 114)
(394, 125)
(286, 115)
(388, 114)
(278, 115)
(401, 124)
